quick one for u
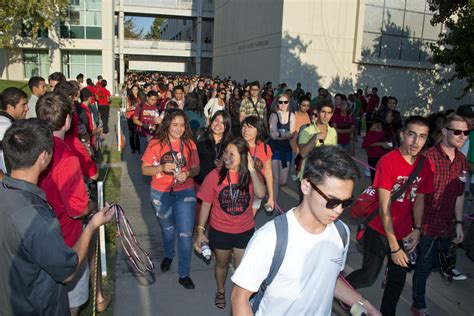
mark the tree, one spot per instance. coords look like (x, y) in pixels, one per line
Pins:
(36, 14)
(131, 30)
(155, 29)
(455, 46)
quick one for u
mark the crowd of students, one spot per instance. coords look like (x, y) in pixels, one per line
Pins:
(217, 152)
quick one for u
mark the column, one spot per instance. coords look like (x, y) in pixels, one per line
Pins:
(121, 31)
(199, 38)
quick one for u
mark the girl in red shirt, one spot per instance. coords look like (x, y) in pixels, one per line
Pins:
(255, 132)
(133, 101)
(172, 160)
(227, 195)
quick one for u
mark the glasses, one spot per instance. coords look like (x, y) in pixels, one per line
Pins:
(458, 132)
(330, 202)
(283, 102)
(222, 93)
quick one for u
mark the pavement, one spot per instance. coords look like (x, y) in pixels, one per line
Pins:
(158, 293)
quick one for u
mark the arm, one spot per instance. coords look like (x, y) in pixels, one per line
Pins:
(418, 209)
(203, 216)
(458, 212)
(150, 170)
(269, 182)
(398, 255)
(273, 126)
(136, 121)
(258, 185)
(305, 149)
(240, 301)
(351, 297)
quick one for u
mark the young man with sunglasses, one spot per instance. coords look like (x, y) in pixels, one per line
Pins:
(443, 207)
(397, 220)
(307, 280)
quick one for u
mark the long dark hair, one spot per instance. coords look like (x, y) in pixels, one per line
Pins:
(226, 120)
(163, 129)
(381, 117)
(192, 102)
(244, 173)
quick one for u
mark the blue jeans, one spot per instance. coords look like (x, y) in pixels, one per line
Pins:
(427, 259)
(175, 212)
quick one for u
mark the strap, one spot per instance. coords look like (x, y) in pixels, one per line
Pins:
(281, 229)
(402, 189)
(254, 106)
(342, 231)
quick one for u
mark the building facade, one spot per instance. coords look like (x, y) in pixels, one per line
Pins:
(340, 45)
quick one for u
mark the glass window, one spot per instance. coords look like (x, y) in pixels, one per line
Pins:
(390, 47)
(413, 24)
(393, 21)
(79, 61)
(84, 20)
(35, 63)
(411, 49)
(373, 19)
(395, 4)
(429, 31)
(371, 45)
(416, 5)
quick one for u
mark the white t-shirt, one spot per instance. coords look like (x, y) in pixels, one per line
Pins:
(305, 282)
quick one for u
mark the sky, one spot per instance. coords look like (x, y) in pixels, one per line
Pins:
(143, 22)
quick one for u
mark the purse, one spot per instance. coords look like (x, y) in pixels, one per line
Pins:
(370, 201)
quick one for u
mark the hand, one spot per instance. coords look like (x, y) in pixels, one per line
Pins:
(459, 234)
(182, 176)
(199, 239)
(385, 146)
(400, 258)
(415, 237)
(250, 162)
(168, 167)
(322, 135)
(103, 216)
(271, 202)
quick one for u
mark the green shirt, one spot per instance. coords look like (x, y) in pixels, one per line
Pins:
(470, 152)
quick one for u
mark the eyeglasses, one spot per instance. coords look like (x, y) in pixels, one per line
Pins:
(283, 102)
(332, 203)
(458, 132)
(221, 92)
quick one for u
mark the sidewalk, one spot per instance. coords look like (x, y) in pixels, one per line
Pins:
(159, 293)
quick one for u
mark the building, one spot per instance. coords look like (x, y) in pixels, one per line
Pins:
(337, 44)
(91, 41)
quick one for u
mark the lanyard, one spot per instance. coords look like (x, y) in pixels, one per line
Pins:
(233, 195)
(254, 156)
(218, 150)
(177, 157)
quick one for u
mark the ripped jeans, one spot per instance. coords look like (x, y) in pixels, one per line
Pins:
(175, 212)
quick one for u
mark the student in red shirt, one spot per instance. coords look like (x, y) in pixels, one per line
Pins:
(227, 195)
(172, 160)
(397, 220)
(344, 123)
(147, 117)
(255, 133)
(64, 186)
(104, 105)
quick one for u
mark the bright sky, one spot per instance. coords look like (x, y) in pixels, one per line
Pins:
(143, 22)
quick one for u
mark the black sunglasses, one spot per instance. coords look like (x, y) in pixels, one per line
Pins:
(332, 203)
(283, 102)
(458, 132)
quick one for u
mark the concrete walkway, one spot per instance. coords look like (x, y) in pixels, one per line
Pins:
(159, 293)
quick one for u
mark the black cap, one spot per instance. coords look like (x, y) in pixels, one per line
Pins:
(466, 110)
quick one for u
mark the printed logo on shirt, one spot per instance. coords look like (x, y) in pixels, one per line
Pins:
(412, 189)
(258, 164)
(168, 158)
(233, 205)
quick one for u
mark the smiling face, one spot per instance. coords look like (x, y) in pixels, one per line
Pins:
(231, 158)
(217, 126)
(176, 128)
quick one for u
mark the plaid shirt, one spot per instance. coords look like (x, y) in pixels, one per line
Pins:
(248, 107)
(449, 182)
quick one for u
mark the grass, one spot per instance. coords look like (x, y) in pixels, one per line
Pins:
(112, 194)
(18, 84)
(110, 155)
(116, 102)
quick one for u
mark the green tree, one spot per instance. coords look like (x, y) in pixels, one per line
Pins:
(155, 28)
(37, 15)
(131, 30)
(455, 47)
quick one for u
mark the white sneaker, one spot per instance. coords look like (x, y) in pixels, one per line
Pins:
(458, 275)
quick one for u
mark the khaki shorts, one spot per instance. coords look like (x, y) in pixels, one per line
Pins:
(78, 288)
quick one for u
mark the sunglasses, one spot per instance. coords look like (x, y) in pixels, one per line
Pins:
(458, 132)
(332, 203)
(283, 102)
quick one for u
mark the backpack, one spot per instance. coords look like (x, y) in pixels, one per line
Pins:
(281, 226)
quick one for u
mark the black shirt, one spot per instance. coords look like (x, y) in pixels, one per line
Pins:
(207, 158)
(34, 258)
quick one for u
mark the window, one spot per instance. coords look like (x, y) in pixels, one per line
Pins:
(35, 63)
(398, 30)
(83, 20)
(79, 61)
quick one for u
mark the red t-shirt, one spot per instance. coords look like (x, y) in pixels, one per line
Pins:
(228, 214)
(93, 90)
(158, 153)
(103, 96)
(343, 122)
(375, 137)
(392, 171)
(260, 156)
(373, 103)
(65, 190)
(147, 116)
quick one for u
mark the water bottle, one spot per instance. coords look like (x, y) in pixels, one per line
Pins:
(205, 251)
(268, 208)
(410, 254)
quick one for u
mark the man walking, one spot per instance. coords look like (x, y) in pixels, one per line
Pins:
(307, 279)
(253, 105)
(442, 207)
(37, 87)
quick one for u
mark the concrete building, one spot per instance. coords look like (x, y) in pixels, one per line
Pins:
(91, 41)
(337, 44)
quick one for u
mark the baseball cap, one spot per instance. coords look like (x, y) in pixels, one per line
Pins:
(466, 110)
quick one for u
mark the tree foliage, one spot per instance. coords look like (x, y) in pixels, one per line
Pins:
(456, 45)
(155, 28)
(36, 14)
(131, 30)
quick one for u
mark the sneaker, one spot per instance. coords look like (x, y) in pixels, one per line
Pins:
(458, 275)
(166, 264)
(418, 311)
(186, 282)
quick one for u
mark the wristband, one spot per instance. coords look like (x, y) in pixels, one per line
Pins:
(394, 252)
(418, 228)
(201, 228)
(459, 222)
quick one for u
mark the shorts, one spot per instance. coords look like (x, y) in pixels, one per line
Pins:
(277, 155)
(78, 288)
(227, 241)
